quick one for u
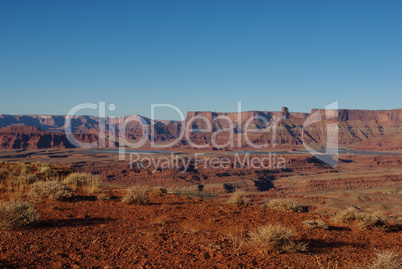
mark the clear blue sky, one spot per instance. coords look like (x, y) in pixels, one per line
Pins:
(199, 55)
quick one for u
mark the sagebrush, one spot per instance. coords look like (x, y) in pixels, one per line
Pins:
(364, 219)
(238, 198)
(284, 205)
(315, 223)
(54, 190)
(136, 195)
(278, 237)
(17, 214)
(89, 182)
(387, 260)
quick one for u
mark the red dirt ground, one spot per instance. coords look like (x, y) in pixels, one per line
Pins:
(177, 232)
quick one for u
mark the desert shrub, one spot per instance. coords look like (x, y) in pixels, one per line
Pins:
(25, 169)
(54, 190)
(284, 205)
(89, 182)
(238, 198)
(387, 260)
(3, 173)
(316, 223)
(160, 189)
(365, 220)
(103, 196)
(136, 195)
(46, 170)
(17, 214)
(16, 185)
(27, 179)
(278, 237)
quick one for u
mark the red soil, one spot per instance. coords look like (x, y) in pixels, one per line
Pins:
(178, 232)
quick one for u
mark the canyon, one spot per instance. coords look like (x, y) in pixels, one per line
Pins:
(357, 129)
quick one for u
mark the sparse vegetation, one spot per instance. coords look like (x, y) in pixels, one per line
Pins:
(25, 169)
(365, 220)
(17, 214)
(284, 205)
(54, 190)
(46, 170)
(160, 189)
(3, 173)
(278, 237)
(315, 223)
(238, 198)
(88, 182)
(387, 260)
(237, 240)
(136, 195)
(27, 179)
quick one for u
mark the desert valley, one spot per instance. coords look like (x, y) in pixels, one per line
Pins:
(200, 206)
(201, 134)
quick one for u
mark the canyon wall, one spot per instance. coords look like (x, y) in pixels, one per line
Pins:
(362, 129)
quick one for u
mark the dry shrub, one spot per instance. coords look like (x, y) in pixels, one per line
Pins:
(3, 173)
(238, 198)
(284, 205)
(387, 260)
(346, 215)
(136, 195)
(88, 182)
(159, 189)
(25, 168)
(278, 237)
(316, 223)
(103, 196)
(28, 179)
(17, 214)
(237, 240)
(54, 190)
(46, 170)
(17, 185)
(365, 220)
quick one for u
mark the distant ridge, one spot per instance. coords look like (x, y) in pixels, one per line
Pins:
(375, 129)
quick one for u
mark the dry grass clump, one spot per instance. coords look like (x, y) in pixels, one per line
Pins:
(387, 260)
(136, 195)
(284, 205)
(160, 189)
(46, 170)
(27, 179)
(278, 237)
(238, 198)
(88, 182)
(315, 223)
(103, 196)
(346, 215)
(365, 220)
(54, 190)
(3, 173)
(25, 168)
(17, 214)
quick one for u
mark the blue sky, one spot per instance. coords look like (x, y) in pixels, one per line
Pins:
(199, 55)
